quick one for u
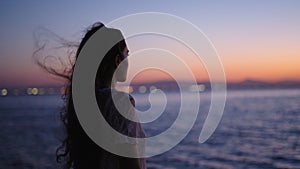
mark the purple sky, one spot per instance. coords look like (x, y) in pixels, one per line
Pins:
(255, 39)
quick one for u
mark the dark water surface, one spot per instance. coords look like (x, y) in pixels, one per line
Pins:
(259, 129)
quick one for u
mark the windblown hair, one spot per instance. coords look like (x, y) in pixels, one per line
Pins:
(77, 150)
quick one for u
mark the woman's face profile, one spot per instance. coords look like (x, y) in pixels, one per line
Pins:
(122, 66)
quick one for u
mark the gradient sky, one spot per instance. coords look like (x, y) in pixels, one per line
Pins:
(255, 39)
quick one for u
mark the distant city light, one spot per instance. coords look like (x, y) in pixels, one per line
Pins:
(130, 89)
(127, 89)
(4, 92)
(29, 91)
(197, 88)
(62, 90)
(34, 91)
(42, 91)
(51, 90)
(153, 89)
(142, 89)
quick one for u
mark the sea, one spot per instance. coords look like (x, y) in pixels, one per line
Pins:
(259, 129)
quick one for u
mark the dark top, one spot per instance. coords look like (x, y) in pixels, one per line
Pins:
(109, 106)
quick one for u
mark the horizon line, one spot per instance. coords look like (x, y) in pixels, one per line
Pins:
(160, 81)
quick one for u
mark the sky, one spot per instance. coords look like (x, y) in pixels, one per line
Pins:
(254, 39)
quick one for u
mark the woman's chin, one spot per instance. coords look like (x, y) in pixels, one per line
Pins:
(122, 79)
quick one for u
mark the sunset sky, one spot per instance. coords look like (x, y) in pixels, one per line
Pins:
(254, 39)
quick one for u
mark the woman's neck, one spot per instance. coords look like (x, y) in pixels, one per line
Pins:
(107, 84)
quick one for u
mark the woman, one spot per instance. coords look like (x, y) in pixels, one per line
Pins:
(78, 151)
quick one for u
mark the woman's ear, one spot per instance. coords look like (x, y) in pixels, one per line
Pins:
(117, 60)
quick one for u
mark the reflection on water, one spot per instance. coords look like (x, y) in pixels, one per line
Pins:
(259, 129)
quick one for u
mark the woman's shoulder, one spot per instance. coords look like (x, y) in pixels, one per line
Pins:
(123, 96)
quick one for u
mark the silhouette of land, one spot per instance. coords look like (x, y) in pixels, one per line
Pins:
(246, 84)
(254, 84)
(144, 87)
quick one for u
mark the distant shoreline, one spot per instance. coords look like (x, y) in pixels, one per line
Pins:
(168, 86)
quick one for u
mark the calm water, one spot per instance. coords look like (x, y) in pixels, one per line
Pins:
(259, 129)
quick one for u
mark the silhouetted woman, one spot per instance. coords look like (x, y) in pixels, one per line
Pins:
(78, 151)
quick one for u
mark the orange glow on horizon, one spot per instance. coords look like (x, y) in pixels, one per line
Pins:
(263, 63)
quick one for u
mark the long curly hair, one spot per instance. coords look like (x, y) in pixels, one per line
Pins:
(77, 150)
